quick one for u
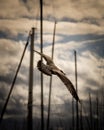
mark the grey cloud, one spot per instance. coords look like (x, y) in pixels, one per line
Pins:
(15, 108)
(9, 34)
(68, 19)
(9, 57)
(8, 48)
(25, 1)
(93, 83)
(95, 47)
(3, 92)
(80, 38)
(5, 84)
(81, 9)
(90, 42)
(8, 78)
(93, 93)
(89, 20)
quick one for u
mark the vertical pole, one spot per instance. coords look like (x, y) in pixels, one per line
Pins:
(50, 88)
(30, 94)
(81, 118)
(73, 122)
(41, 41)
(77, 116)
(101, 115)
(91, 123)
(97, 112)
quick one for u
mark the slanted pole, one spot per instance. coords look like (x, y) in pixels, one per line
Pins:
(30, 93)
(14, 80)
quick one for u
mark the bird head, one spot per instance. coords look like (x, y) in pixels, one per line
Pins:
(39, 63)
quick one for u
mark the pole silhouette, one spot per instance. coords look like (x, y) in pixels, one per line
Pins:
(41, 48)
(14, 80)
(50, 86)
(77, 109)
(30, 93)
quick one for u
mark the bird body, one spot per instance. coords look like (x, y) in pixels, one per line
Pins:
(44, 68)
(50, 68)
(50, 62)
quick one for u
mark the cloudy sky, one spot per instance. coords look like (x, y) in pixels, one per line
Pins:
(80, 27)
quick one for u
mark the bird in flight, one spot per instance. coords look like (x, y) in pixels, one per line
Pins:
(50, 68)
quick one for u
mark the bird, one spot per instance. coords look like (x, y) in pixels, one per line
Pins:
(50, 68)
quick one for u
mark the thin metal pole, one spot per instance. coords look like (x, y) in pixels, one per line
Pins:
(73, 120)
(54, 32)
(41, 40)
(81, 118)
(50, 87)
(90, 101)
(97, 112)
(77, 109)
(14, 80)
(30, 93)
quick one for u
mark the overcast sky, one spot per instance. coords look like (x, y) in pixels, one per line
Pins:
(80, 27)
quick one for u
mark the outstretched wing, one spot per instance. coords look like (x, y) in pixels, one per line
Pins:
(68, 84)
(47, 58)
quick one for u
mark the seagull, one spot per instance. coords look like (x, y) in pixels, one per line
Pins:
(50, 68)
